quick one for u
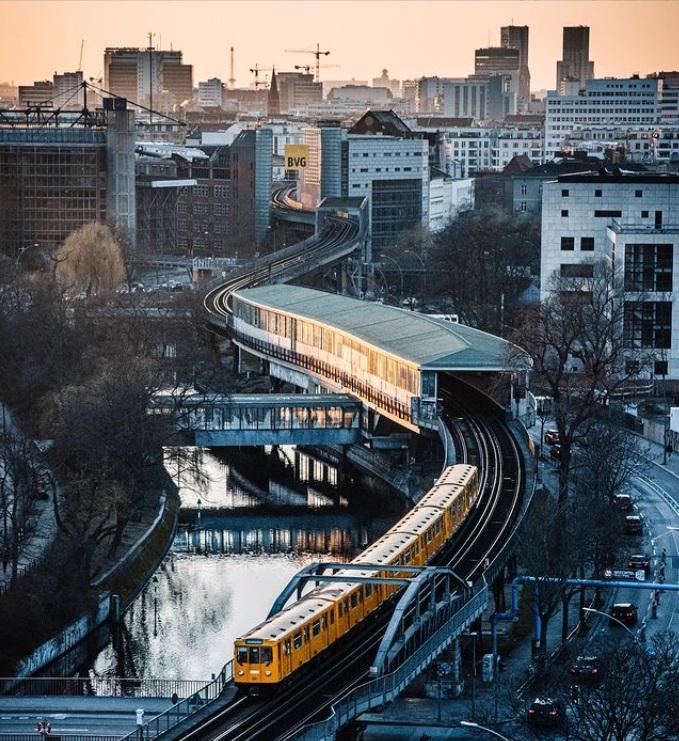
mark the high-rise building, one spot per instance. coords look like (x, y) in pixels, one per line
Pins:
(40, 93)
(297, 90)
(210, 93)
(516, 37)
(153, 76)
(575, 66)
(54, 179)
(496, 59)
(68, 91)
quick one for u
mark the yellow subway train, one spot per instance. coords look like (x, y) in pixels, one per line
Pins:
(275, 649)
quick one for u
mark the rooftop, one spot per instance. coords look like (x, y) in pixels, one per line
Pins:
(422, 340)
(619, 176)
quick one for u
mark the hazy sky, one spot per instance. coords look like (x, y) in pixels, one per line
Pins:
(39, 37)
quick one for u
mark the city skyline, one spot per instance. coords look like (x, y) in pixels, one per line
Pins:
(442, 35)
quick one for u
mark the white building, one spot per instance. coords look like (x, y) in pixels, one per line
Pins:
(608, 102)
(210, 93)
(447, 198)
(643, 144)
(632, 219)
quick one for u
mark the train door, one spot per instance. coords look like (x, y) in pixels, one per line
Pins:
(285, 648)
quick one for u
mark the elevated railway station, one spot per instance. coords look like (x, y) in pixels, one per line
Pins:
(389, 358)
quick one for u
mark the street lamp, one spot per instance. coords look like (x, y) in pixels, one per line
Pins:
(471, 724)
(615, 619)
(424, 267)
(387, 257)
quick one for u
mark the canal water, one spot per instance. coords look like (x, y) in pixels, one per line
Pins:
(248, 523)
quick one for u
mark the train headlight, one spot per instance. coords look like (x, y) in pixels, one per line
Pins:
(267, 673)
(240, 672)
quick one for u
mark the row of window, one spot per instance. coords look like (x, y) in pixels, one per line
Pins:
(598, 193)
(586, 243)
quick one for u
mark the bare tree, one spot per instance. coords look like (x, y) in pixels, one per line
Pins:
(91, 260)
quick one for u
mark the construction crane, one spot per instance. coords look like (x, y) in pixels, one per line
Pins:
(80, 63)
(256, 70)
(307, 67)
(317, 53)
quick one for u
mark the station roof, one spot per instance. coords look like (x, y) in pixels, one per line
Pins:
(431, 344)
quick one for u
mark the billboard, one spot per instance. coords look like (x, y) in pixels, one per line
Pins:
(296, 156)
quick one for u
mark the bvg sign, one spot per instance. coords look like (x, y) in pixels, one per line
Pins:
(296, 156)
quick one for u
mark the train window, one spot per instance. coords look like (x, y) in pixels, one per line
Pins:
(306, 633)
(316, 627)
(339, 610)
(287, 647)
(254, 655)
(242, 655)
(360, 594)
(368, 590)
(354, 599)
(324, 622)
(429, 535)
(332, 615)
(346, 606)
(298, 640)
(267, 655)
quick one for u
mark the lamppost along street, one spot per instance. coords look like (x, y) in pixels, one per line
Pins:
(400, 271)
(615, 620)
(471, 724)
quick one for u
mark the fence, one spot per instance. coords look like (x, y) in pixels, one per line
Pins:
(182, 709)
(99, 687)
(54, 737)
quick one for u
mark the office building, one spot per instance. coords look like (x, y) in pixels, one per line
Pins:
(632, 220)
(297, 91)
(40, 93)
(516, 37)
(448, 197)
(609, 102)
(575, 66)
(54, 179)
(155, 78)
(210, 93)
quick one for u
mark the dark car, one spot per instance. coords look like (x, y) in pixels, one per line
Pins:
(623, 502)
(625, 613)
(639, 561)
(544, 711)
(552, 437)
(555, 452)
(634, 525)
(586, 669)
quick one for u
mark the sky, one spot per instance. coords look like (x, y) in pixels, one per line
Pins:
(410, 39)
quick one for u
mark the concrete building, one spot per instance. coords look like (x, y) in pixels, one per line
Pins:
(40, 93)
(55, 179)
(633, 220)
(329, 85)
(382, 159)
(68, 92)
(385, 81)
(609, 102)
(148, 76)
(447, 198)
(251, 178)
(516, 37)
(297, 90)
(210, 93)
(575, 65)
(364, 94)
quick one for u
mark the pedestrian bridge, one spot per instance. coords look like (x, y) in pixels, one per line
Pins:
(227, 420)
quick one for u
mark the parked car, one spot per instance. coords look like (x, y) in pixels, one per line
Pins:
(544, 711)
(586, 669)
(624, 612)
(639, 561)
(555, 452)
(552, 437)
(634, 525)
(623, 502)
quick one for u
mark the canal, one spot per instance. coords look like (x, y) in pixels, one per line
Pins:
(248, 522)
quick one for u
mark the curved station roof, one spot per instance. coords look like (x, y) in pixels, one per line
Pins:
(432, 344)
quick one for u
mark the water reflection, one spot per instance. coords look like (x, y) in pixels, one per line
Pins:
(246, 528)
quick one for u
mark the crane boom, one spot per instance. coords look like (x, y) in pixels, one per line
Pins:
(80, 63)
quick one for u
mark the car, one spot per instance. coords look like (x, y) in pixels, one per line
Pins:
(544, 711)
(623, 502)
(585, 669)
(555, 452)
(639, 561)
(634, 525)
(552, 437)
(625, 613)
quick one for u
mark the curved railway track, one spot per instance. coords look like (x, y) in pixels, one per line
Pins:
(481, 439)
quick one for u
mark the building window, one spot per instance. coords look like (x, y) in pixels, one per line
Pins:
(524, 190)
(587, 244)
(524, 206)
(577, 270)
(564, 193)
(644, 214)
(648, 267)
(564, 212)
(660, 367)
(648, 324)
(638, 193)
(608, 214)
(598, 193)
(567, 243)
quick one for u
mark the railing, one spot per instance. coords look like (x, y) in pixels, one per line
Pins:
(99, 687)
(182, 709)
(69, 736)
(378, 692)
